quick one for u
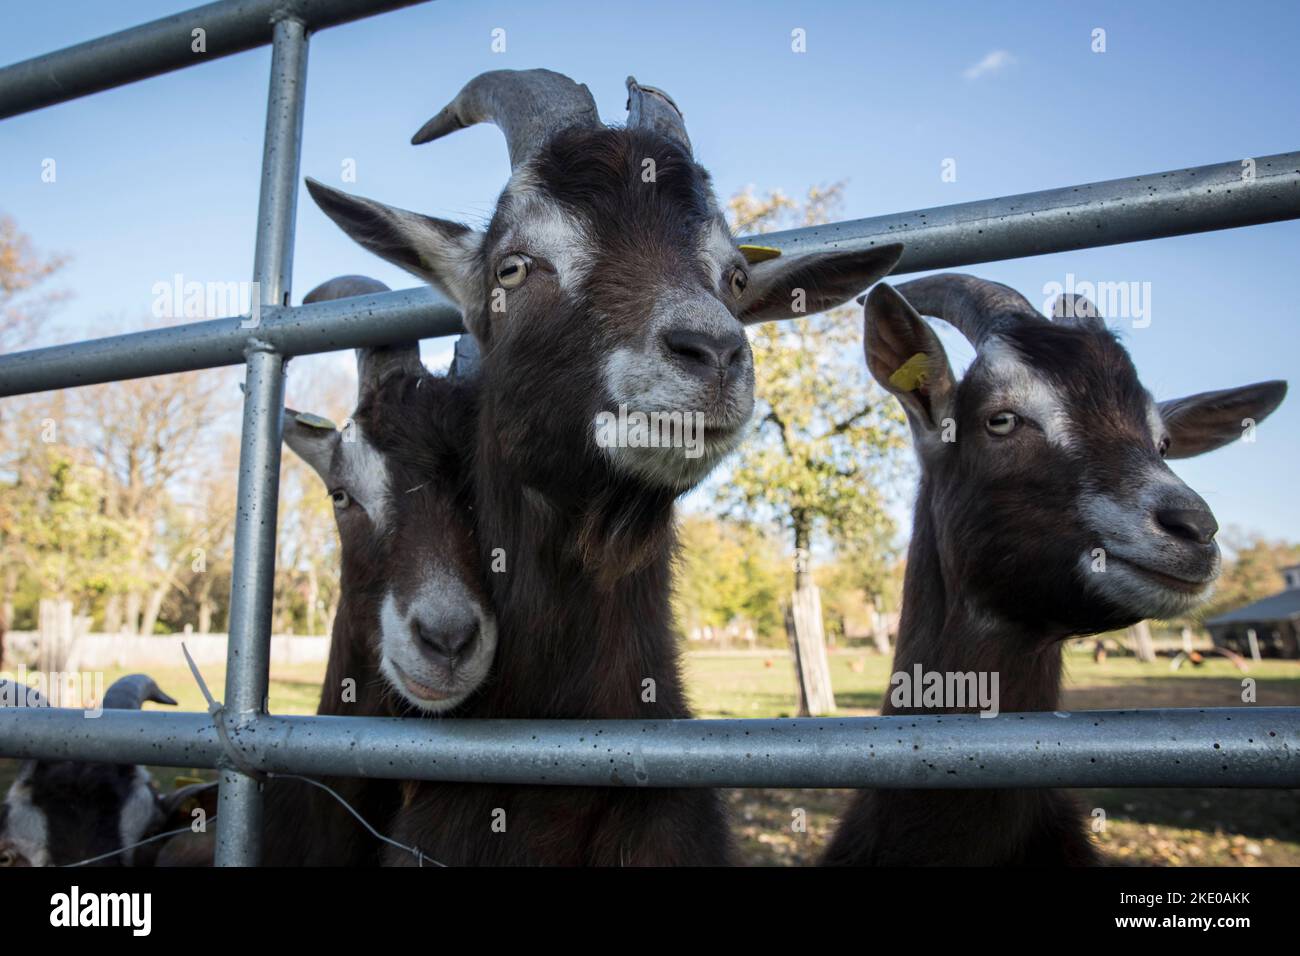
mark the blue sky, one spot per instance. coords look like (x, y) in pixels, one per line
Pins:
(161, 177)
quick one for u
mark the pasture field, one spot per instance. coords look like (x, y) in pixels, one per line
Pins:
(1144, 827)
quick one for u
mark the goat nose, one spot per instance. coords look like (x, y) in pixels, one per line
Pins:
(1190, 524)
(704, 354)
(448, 640)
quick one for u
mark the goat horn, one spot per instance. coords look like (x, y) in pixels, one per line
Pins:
(343, 287)
(14, 694)
(372, 363)
(1078, 311)
(130, 692)
(529, 106)
(976, 307)
(653, 109)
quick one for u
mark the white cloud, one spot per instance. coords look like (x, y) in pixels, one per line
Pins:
(993, 62)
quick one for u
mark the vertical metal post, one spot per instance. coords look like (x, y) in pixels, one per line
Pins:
(239, 830)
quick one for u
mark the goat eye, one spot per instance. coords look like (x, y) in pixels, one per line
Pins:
(513, 270)
(739, 281)
(1164, 446)
(340, 498)
(1003, 423)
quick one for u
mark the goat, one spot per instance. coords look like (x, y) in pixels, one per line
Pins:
(414, 633)
(606, 280)
(64, 811)
(1045, 511)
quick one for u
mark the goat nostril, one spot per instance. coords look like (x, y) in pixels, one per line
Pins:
(714, 352)
(1190, 524)
(458, 640)
(446, 641)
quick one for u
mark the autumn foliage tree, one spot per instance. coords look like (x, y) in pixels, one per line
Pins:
(828, 440)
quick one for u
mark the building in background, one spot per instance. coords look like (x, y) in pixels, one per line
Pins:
(1269, 627)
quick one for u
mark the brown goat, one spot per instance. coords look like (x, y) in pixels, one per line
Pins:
(413, 634)
(607, 281)
(1045, 511)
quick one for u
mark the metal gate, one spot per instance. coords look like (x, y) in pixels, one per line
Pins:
(1223, 747)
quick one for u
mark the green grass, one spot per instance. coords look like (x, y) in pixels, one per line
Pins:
(1147, 827)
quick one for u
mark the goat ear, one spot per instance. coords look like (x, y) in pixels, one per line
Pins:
(906, 357)
(1210, 420)
(440, 252)
(313, 439)
(790, 286)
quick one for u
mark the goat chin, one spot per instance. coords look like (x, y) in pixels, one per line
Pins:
(1141, 596)
(673, 468)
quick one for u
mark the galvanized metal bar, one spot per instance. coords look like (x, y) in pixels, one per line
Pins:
(252, 590)
(277, 210)
(1218, 747)
(253, 573)
(1244, 192)
(1122, 210)
(166, 44)
(302, 330)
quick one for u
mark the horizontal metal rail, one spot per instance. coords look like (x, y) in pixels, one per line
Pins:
(301, 330)
(1243, 192)
(1221, 747)
(166, 44)
(1121, 210)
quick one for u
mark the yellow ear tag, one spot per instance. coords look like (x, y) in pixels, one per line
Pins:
(912, 374)
(180, 781)
(314, 421)
(755, 254)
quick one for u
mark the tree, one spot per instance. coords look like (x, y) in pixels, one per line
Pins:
(23, 304)
(154, 441)
(1252, 572)
(22, 273)
(828, 440)
(727, 572)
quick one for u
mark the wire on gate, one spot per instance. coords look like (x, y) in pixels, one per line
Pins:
(132, 846)
(415, 851)
(217, 710)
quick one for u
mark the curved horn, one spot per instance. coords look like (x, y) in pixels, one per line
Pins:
(343, 287)
(976, 307)
(130, 692)
(653, 109)
(530, 106)
(14, 694)
(1077, 311)
(373, 364)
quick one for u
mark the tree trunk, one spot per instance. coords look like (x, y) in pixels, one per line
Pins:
(204, 598)
(7, 606)
(805, 631)
(113, 614)
(802, 535)
(153, 608)
(313, 595)
(1143, 647)
(133, 603)
(879, 629)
